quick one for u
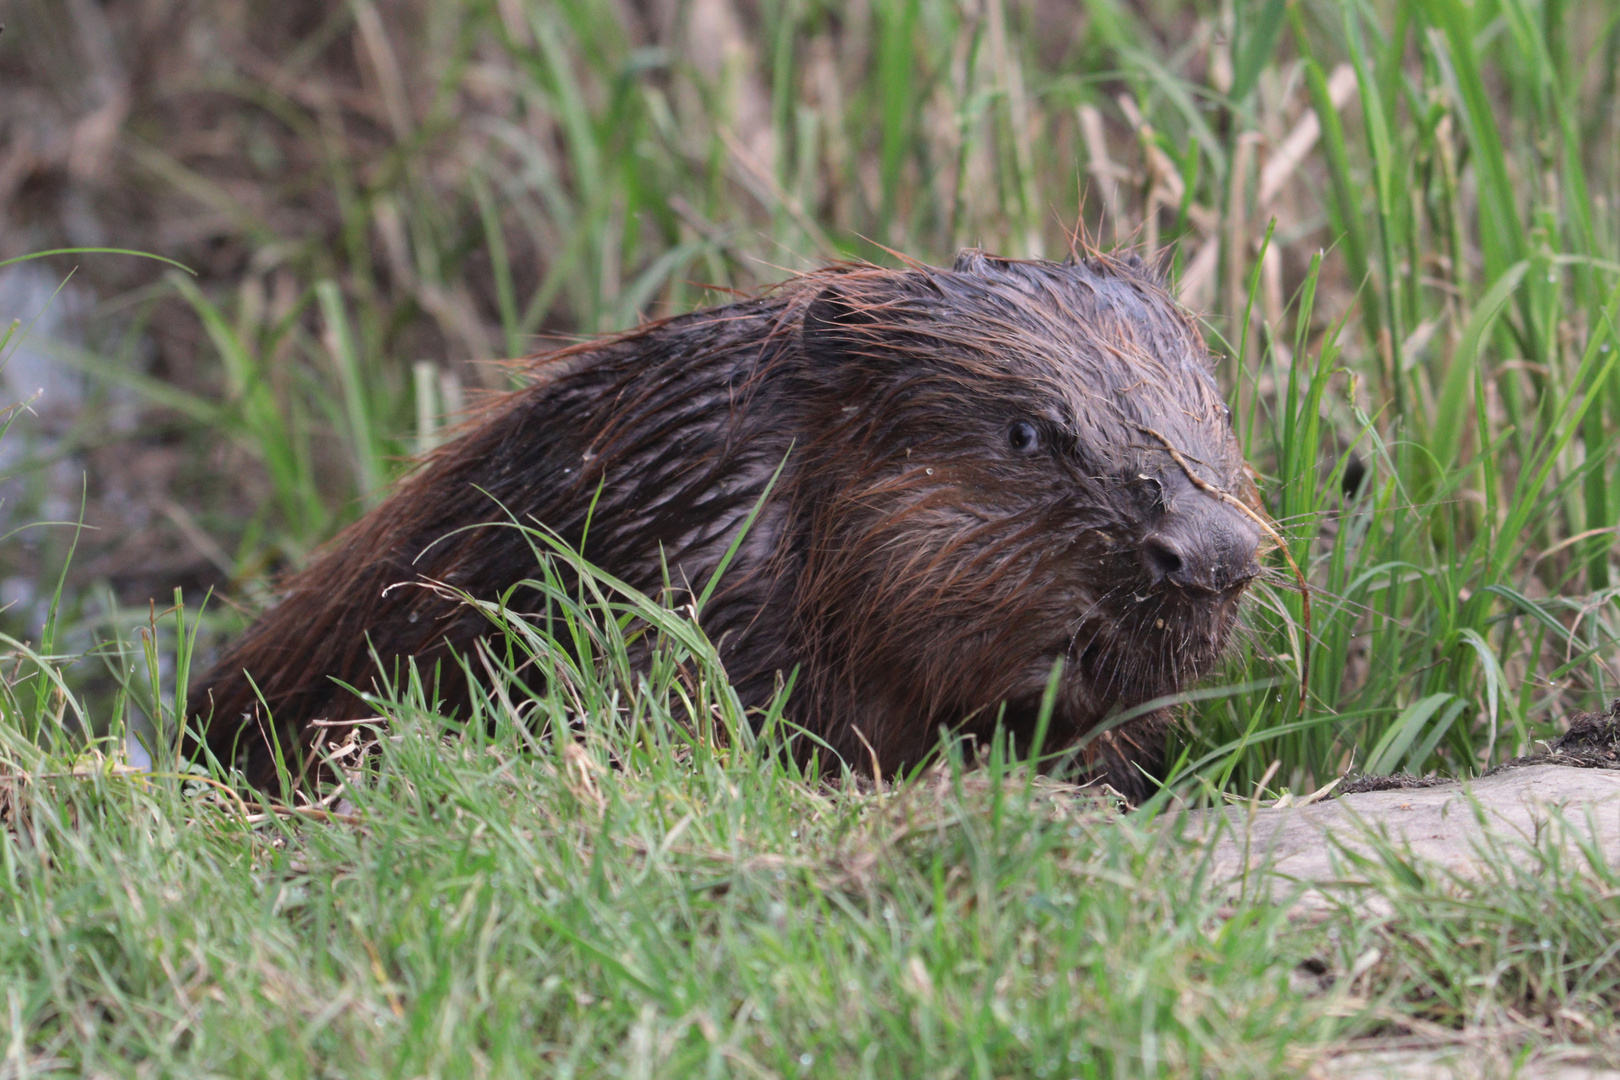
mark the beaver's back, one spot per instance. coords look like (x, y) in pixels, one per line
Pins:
(660, 405)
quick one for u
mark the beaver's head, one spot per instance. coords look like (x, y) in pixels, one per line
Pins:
(990, 485)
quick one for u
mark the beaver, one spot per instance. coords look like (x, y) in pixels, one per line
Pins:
(961, 476)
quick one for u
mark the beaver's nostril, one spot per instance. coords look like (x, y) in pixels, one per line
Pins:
(1206, 552)
(1162, 556)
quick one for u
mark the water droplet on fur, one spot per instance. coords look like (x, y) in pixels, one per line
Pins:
(411, 617)
(930, 472)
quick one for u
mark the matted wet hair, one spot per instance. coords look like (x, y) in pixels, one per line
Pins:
(974, 482)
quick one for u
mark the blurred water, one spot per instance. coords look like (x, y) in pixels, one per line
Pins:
(135, 751)
(50, 310)
(42, 474)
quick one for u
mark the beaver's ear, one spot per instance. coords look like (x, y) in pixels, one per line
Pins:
(1129, 264)
(976, 261)
(837, 324)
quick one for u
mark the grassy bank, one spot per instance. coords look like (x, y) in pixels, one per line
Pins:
(640, 895)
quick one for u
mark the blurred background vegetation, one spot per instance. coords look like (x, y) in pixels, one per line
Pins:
(1397, 219)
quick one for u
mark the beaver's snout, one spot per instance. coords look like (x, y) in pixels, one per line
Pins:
(1202, 546)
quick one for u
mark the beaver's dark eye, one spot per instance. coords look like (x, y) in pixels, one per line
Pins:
(1023, 437)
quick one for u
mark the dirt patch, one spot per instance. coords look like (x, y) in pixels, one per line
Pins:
(1592, 742)
(1476, 1059)
(1361, 785)
(1446, 825)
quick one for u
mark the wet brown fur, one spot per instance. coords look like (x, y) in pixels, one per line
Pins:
(915, 566)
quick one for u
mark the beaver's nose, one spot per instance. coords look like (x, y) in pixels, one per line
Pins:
(1202, 546)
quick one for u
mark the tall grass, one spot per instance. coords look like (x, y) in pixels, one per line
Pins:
(1467, 591)
(1398, 221)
